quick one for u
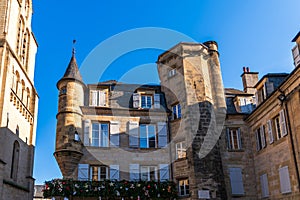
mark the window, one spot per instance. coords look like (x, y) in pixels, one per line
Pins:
(280, 125)
(100, 134)
(76, 136)
(15, 161)
(63, 90)
(147, 136)
(148, 173)
(234, 139)
(285, 184)
(260, 138)
(98, 173)
(176, 111)
(183, 187)
(236, 181)
(180, 150)
(172, 72)
(264, 185)
(17, 130)
(146, 101)
(277, 127)
(98, 98)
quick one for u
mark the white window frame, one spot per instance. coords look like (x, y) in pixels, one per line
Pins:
(231, 132)
(183, 187)
(147, 126)
(99, 172)
(146, 98)
(172, 72)
(180, 150)
(176, 111)
(101, 135)
(148, 170)
(277, 127)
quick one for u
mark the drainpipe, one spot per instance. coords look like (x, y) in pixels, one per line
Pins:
(284, 102)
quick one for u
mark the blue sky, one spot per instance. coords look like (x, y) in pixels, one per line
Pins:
(251, 33)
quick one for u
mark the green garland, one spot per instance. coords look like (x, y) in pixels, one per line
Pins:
(111, 189)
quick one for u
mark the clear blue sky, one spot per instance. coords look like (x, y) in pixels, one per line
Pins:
(251, 33)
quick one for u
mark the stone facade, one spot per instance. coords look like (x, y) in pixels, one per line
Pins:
(19, 100)
(215, 143)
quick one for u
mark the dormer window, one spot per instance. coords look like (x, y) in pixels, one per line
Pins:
(172, 73)
(98, 98)
(146, 100)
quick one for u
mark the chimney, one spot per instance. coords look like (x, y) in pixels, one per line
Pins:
(249, 80)
(296, 50)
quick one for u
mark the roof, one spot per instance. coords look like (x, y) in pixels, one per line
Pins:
(72, 70)
(296, 37)
(271, 75)
(234, 91)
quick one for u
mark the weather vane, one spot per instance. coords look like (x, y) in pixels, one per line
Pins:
(73, 49)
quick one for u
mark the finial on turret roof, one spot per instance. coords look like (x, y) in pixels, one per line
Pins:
(73, 48)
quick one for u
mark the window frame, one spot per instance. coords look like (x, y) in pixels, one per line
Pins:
(184, 187)
(145, 97)
(180, 150)
(99, 93)
(176, 111)
(147, 135)
(99, 172)
(149, 170)
(101, 135)
(234, 138)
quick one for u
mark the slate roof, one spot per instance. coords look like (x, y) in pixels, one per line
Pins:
(73, 70)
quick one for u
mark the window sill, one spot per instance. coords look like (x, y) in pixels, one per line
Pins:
(184, 196)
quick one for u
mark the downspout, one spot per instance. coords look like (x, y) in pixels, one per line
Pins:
(292, 141)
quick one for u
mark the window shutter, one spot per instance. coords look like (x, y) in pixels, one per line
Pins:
(86, 138)
(102, 98)
(164, 172)
(285, 184)
(94, 98)
(83, 172)
(114, 133)
(236, 180)
(156, 100)
(239, 138)
(162, 134)
(136, 100)
(228, 138)
(256, 98)
(133, 130)
(264, 185)
(114, 172)
(134, 170)
(270, 133)
(262, 136)
(282, 123)
(257, 141)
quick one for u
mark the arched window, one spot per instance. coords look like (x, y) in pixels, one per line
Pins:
(15, 161)
(17, 131)
(28, 98)
(21, 28)
(25, 46)
(23, 91)
(17, 82)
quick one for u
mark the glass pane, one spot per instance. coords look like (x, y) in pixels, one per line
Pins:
(103, 173)
(151, 136)
(95, 173)
(143, 102)
(149, 102)
(143, 137)
(152, 173)
(144, 173)
(179, 111)
(174, 112)
(104, 135)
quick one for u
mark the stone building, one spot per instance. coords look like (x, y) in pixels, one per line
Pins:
(215, 143)
(19, 100)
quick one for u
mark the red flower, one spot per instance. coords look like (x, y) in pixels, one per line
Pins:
(148, 186)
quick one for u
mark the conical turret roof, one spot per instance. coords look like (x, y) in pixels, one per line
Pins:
(72, 70)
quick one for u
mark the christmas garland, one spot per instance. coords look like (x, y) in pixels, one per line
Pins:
(109, 189)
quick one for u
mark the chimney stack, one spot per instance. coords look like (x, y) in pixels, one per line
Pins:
(249, 80)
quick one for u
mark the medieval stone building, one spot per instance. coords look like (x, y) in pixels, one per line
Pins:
(215, 143)
(19, 100)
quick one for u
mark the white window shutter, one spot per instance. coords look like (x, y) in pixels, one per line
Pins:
(114, 133)
(270, 132)
(102, 98)
(136, 100)
(236, 180)
(162, 134)
(86, 138)
(164, 172)
(114, 173)
(156, 100)
(134, 170)
(83, 172)
(133, 130)
(285, 184)
(262, 136)
(264, 185)
(282, 123)
(94, 98)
